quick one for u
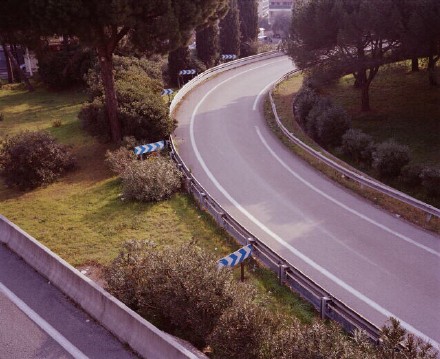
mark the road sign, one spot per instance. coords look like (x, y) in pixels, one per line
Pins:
(167, 92)
(229, 57)
(236, 257)
(187, 72)
(151, 147)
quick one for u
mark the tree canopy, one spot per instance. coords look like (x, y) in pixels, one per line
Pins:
(151, 25)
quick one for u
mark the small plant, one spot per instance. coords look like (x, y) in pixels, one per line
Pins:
(358, 145)
(331, 123)
(56, 123)
(389, 158)
(32, 159)
(431, 180)
(120, 159)
(153, 179)
(410, 175)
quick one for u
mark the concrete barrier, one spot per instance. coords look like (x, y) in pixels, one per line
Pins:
(125, 324)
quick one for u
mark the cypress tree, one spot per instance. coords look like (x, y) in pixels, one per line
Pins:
(230, 31)
(207, 42)
(248, 27)
(178, 59)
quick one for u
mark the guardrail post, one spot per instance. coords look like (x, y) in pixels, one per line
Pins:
(188, 181)
(428, 217)
(324, 306)
(282, 273)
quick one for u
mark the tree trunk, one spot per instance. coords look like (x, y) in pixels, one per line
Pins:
(111, 104)
(431, 71)
(18, 69)
(366, 96)
(414, 64)
(360, 78)
(8, 65)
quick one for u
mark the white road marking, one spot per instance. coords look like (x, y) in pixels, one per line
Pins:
(340, 204)
(289, 247)
(254, 107)
(45, 326)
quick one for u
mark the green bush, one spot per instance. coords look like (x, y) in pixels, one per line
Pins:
(331, 125)
(172, 288)
(431, 180)
(141, 110)
(303, 103)
(358, 145)
(241, 331)
(311, 122)
(410, 175)
(390, 157)
(32, 159)
(153, 179)
(65, 68)
(120, 159)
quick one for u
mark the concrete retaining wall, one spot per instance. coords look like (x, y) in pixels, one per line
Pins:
(126, 325)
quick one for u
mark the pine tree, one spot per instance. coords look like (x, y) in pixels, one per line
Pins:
(230, 31)
(248, 27)
(207, 42)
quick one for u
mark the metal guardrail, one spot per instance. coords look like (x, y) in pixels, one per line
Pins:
(327, 305)
(359, 178)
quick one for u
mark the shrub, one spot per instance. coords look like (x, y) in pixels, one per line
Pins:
(331, 124)
(93, 118)
(241, 331)
(172, 288)
(120, 159)
(431, 180)
(303, 103)
(410, 175)
(153, 179)
(141, 110)
(358, 145)
(390, 157)
(31, 159)
(65, 68)
(311, 122)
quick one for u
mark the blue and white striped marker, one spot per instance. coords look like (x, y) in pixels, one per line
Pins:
(229, 57)
(167, 92)
(236, 257)
(151, 147)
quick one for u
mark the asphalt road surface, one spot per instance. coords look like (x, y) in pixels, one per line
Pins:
(377, 264)
(37, 321)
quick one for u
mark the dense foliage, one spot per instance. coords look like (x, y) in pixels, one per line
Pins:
(32, 159)
(207, 306)
(141, 110)
(230, 31)
(389, 158)
(248, 10)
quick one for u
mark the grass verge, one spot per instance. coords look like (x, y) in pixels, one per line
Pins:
(82, 217)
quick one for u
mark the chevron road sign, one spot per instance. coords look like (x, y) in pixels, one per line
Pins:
(187, 72)
(167, 92)
(236, 257)
(229, 57)
(151, 147)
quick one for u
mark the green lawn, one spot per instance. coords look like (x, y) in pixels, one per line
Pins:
(82, 217)
(404, 107)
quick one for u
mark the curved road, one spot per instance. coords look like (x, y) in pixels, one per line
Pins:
(377, 264)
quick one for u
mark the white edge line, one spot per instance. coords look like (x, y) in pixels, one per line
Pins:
(340, 204)
(266, 88)
(45, 326)
(289, 247)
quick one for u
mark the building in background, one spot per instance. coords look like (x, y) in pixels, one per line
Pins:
(278, 7)
(263, 8)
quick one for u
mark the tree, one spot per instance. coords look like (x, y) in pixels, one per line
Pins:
(151, 25)
(281, 24)
(178, 59)
(248, 10)
(207, 42)
(344, 36)
(230, 31)
(14, 22)
(423, 34)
